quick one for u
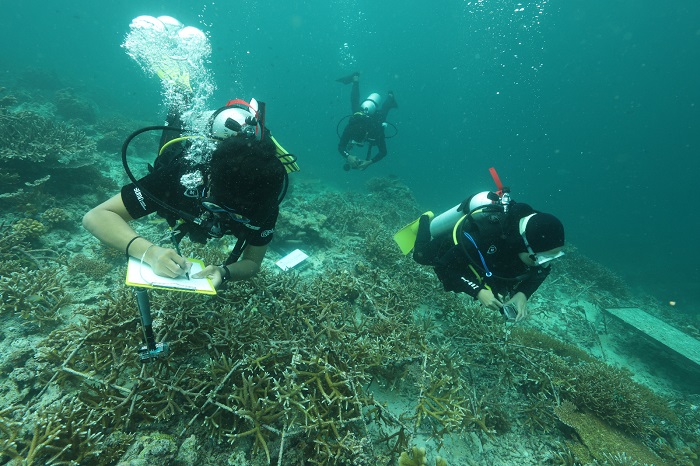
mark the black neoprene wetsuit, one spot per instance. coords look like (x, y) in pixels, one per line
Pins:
(460, 267)
(364, 129)
(165, 185)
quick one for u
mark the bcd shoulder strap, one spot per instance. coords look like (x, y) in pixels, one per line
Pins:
(488, 221)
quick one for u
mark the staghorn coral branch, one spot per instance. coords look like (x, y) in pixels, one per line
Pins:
(95, 380)
(212, 395)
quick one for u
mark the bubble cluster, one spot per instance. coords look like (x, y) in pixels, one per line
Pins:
(178, 55)
(347, 59)
(511, 33)
(353, 22)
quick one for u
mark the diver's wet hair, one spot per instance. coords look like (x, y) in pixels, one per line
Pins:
(247, 175)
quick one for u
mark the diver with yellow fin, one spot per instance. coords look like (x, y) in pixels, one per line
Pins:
(490, 247)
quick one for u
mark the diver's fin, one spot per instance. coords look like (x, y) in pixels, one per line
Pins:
(406, 237)
(348, 79)
(172, 72)
(288, 160)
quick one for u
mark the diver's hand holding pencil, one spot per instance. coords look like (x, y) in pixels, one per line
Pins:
(166, 262)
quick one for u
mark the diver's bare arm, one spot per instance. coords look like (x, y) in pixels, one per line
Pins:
(108, 222)
(249, 264)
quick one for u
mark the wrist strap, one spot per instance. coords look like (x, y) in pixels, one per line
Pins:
(226, 276)
(129, 245)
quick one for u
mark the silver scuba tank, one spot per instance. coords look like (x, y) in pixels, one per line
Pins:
(371, 104)
(445, 222)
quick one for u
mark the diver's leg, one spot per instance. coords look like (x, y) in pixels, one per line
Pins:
(389, 103)
(355, 94)
(424, 249)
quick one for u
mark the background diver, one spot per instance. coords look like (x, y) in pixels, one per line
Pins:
(366, 125)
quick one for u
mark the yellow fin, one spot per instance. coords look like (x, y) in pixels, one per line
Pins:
(171, 71)
(406, 237)
(285, 157)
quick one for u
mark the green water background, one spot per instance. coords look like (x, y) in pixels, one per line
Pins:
(588, 109)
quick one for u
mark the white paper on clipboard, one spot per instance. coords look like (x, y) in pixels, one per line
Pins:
(291, 260)
(140, 274)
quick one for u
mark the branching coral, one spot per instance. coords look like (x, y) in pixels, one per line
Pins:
(17, 254)
(9, 432)
(27, 139)
(55, 216)
(260, 413)
(288, 366)
(57, 435)
(309, 396)
(36, 295)
(446, 404)
(381, 251)
(93, 268)
(285, 385)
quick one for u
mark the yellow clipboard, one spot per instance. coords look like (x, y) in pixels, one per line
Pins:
(141, 274)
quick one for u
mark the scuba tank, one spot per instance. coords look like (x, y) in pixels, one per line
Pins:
(371, 104)
(446, 221)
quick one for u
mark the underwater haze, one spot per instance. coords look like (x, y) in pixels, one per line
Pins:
(587, 109)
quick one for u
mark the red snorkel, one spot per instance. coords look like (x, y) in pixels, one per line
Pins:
(503, 191)
(496, 180)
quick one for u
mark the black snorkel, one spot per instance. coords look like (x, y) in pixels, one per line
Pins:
(262, 111)
(261, 120)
